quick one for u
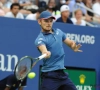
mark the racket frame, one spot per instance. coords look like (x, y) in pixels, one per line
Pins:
(32, 64)
(31, 59)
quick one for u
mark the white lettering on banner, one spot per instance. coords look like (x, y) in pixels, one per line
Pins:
(2, 62)
(86, 39)
(81, 87)
(9, 60)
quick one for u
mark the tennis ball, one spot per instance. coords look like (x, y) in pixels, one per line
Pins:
(31, 75)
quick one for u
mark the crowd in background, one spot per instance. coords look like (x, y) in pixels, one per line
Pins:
(65, 11)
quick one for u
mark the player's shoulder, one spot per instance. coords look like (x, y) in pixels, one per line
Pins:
(58, 30)
(40, 37)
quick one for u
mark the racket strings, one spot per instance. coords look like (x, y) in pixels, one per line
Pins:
(23, 68)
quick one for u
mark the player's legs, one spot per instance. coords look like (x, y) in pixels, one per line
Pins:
(56, 80)
(50, 81)
(49, 84)
(67, 85)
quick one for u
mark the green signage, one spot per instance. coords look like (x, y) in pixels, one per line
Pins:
(84, 79)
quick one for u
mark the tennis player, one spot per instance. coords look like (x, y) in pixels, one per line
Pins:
(50, 41)
(11, 83)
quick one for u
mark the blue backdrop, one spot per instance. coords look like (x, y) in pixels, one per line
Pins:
(17, 39)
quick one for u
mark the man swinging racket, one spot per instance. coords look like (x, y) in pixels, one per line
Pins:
(49, 42)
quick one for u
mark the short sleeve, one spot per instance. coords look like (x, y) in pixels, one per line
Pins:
(40, 41)
(64, 35)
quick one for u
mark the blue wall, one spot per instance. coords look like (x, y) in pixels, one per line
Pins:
(17, 39)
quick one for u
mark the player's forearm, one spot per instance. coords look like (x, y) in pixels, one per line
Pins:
(70, 43)
(44, 50)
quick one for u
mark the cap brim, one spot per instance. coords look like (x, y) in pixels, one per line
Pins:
(49, 17)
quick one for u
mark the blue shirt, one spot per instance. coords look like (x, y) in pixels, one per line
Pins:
(53, 42)
(67, 21)
(11, 82)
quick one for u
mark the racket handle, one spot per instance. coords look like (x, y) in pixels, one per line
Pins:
(42, 56)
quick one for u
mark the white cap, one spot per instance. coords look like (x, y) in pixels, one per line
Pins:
(64, 8)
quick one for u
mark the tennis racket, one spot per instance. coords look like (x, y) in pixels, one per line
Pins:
(24, 66)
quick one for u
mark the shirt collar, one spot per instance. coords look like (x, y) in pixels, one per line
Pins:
(49, 32)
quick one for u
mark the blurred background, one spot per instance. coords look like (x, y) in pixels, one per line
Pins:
(79, 19)
(81, 12)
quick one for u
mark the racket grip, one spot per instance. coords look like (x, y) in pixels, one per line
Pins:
(42, 56)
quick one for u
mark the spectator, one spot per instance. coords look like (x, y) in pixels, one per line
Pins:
(93, 17)
(39, 1)
(94, 1)
(4, 5)
(2, 13)
(64, 15)
(63, 2)
(71, 5)
(14, 13)
(96, 8)
(42, 4)
(84, 11)
(53, 8)
(36, 15)
(88, 3)
(77, 20)
(24, 3)
(67, 2)
(26, 6)
(75, 7)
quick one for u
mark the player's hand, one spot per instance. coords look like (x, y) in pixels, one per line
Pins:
(76, 48)
(48, 54)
